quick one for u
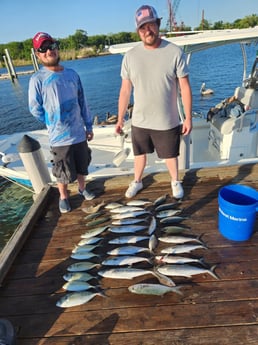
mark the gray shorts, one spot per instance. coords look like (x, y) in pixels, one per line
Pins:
(166, 143)
(69, 161)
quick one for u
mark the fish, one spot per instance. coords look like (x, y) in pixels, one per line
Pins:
(84, 276)
(128, 239)
(173, 219)
(153, 242)
(123, 260)
(182, 248)
(153, 289)
(82, 266)
(98, 221)
(85, 247)
(123, 209)
(173, 229)
(176, 259)
(90, 240)
(169, 206)
(94, 215)
(152, 226)
(180, 239)
(125, 229)
(160, 200)
(93, 209)
(138, 202)
(112, 205)
(77, 285)
(168, 213)
(130, 273)
(83, 255)
(129, 221)
(163, 279)
(129, 214)
(94, 232)
(127, 250)
(186, 270)
(77, 298)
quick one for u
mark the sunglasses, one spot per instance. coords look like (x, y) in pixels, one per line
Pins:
(51, 46)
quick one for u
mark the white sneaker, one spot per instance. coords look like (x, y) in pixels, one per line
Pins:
(133, 189)
(177, 189)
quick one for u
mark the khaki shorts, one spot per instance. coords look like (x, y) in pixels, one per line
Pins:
(69, 161)
(166, 143)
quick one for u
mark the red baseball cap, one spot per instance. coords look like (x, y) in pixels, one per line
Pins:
(41, 37)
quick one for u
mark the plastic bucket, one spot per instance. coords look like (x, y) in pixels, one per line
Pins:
(238, 205)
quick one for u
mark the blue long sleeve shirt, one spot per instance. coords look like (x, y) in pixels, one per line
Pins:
(57, 99)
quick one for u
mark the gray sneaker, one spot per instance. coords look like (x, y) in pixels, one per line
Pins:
(133, 189)
(87, 195)
(64, 206)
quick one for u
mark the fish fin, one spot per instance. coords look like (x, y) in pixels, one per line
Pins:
(212, 273)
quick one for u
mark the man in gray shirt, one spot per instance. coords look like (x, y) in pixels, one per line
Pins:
(156, 70)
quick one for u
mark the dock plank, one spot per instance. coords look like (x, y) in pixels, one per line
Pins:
(209, 311)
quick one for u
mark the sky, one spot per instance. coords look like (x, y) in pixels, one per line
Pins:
(22, 19)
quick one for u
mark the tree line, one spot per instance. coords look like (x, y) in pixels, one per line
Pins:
(81, 45)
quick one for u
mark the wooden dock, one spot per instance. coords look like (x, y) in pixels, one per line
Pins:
(209, 311)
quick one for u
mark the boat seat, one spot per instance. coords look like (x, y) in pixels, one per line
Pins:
(249, 97)
(226, 125)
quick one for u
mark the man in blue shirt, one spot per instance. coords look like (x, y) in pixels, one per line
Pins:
(56, 98)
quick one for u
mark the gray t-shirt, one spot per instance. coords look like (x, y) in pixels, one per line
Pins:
(154, 73)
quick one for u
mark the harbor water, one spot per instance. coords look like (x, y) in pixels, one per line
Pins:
(220, 68)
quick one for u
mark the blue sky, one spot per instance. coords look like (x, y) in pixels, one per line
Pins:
(21, 19)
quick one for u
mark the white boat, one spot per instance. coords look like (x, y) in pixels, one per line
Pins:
(229, 137)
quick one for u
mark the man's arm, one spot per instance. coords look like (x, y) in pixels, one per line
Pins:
(124, 99)
(186, 95)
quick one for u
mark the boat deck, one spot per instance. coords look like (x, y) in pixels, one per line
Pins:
(209, 311)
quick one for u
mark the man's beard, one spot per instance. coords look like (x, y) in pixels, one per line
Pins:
(52, 63)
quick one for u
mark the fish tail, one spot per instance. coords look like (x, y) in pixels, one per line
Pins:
(199, 240)
(177, 290)
(212, 273)
(202, 262)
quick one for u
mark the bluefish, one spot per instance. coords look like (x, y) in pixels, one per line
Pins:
(77, 285)
(153, 289)
(82, 266)
(94, 232)
(77, 298)
(168, 206)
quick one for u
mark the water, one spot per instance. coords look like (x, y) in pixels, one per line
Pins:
(220, 68)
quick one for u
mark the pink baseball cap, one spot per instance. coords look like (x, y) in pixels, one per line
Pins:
(40, 38)
(145, 14)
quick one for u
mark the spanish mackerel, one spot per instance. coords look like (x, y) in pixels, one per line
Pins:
(128, 239)
(129, 214)
(127, 250)
(123, 260)
(130, 273)
(180, 239)
(182, 248)
(186, 270)
(123, 209)
(127, 228)
(128, 221)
